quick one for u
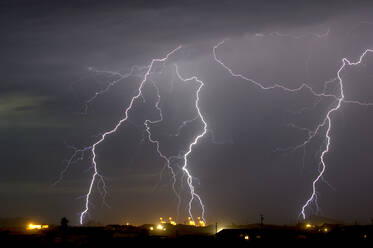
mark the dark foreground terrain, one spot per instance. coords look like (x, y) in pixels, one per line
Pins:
(183, 236)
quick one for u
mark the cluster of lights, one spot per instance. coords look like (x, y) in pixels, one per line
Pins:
(309, 226)
(172, 222)
(162, 223)
(191, 222)
(161, 227)
(32, 226)
(200, 222)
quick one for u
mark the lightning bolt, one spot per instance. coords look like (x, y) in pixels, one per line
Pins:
(273, 86)
(297, 37)
(184, 124)
(96, 173)
(157, 143)
(79, 154)
(120, 76)
(186, 156)
(326, 122)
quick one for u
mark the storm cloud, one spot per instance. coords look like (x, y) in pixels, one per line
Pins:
(47, 48)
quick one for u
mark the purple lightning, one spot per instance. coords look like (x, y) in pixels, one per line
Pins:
(183, 124)
(261, 86)
(157, 143)
(79, 153)
(190, 147)
(124, 119)
(120, 76)
(297, 37)
(326, 121)
(185, 156)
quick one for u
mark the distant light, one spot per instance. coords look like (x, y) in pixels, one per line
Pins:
(247, 237)
(308, 225)
(160, 227)
(127, 223)
(365, 236)
(36, 227)
(151, 228)
(326, 229)
(191, 222)
(201, 222)
(172, 222)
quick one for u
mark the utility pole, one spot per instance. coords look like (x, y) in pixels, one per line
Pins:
(261, 220)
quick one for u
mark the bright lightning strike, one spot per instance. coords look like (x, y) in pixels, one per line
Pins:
(326, 121)
(79, 154)
(156, 142)
(124, 119)
(190, 147)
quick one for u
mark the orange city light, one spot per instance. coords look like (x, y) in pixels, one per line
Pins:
(172, 222)
(201, 222)
(191, 222)
(32, 226)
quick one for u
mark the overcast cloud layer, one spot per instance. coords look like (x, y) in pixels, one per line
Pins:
(47, 48)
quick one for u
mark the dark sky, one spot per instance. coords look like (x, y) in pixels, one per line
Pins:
(47, 47)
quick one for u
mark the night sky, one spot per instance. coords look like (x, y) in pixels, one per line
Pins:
(52, 57)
